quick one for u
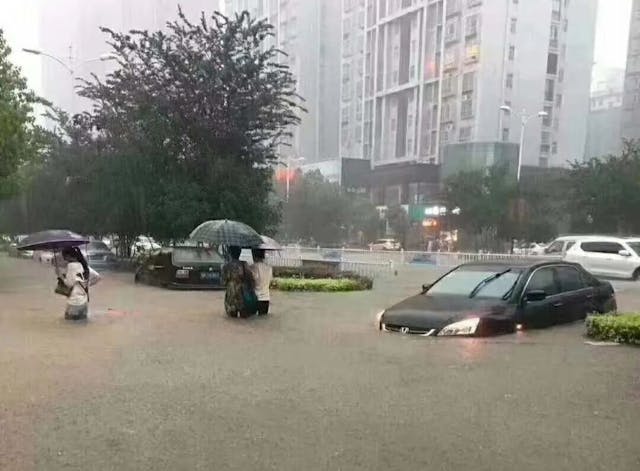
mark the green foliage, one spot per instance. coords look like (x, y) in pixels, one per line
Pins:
(604, 194)
(485, 199)
(316, 284)
(316, 272)
(183, 131)
(322, 211)
(623, 328)
(19, 137)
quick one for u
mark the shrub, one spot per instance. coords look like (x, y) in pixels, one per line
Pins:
(624, 328)
(315, 273)
(317, 284)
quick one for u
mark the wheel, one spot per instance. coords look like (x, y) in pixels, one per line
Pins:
(636, 275)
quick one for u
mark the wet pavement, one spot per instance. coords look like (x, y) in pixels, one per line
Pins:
(161, 380)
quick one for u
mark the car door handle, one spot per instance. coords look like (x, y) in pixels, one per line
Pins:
(558, 304)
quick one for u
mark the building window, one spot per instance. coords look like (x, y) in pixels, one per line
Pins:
(549, 88)
(466, 108)
(514, 25)
(559, 99)
(471, 27)
(553, 38)
(505, 134)
(468, 81)
(509, 83)
(512, 53)
(465, 133)
(554, 147)
(552, 64)
(547, 120)
(544, 162)
(561, 75)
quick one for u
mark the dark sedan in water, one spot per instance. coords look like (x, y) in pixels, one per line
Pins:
(188, 267)
(496, 298)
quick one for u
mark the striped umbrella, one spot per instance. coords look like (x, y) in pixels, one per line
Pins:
(226, 232)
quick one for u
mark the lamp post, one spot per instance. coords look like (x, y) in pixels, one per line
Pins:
(524, 119)
(288, 164)
(70, 65)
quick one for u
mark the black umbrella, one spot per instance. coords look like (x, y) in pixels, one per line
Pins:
(226, 232)
(52, 240)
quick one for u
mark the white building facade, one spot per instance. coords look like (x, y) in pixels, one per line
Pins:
(70, 31)
(423, 74)
(631, 102)
(308, 31)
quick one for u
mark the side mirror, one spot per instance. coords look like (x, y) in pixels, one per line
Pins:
(426, 287)
(624, 253)
(535, 295)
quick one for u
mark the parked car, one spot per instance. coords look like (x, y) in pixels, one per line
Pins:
(495, 298)
(13, 248)
(43, 256)
(99, 255)
(144, 244)
(607, 256)
(186, 267)
(385, 244)
(560, 246)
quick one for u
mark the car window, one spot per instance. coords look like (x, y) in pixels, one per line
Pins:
(191, 255)
(601, 247)
(635, 246)
(461, 282)
(95, 246)
(569, 279)
(543, 279)
(555, 247)
(570, 244)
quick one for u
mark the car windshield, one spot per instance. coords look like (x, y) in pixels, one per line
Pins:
(462, 282)
(184, 255)
(635, 246)
(97, 246)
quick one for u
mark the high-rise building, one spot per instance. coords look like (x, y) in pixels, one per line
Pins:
(308, 31)
(418, 75)
(70, 31)
(631, 102)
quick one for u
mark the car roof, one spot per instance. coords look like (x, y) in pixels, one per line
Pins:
(608, 239)
(515, 264)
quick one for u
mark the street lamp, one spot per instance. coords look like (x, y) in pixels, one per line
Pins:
(524, 119)
(288, 164)
(69, 65)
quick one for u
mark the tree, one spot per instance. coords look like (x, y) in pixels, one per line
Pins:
(18, 135)
(319, 210)
(399, 223)
(183, 131)
(604, 194)
(484, 199)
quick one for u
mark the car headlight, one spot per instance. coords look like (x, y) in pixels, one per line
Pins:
(464, 327)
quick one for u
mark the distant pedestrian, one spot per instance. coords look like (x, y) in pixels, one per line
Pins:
(262, 274)
(73, 281)
(239, 285)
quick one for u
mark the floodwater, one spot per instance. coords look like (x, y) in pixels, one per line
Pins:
(160, 379)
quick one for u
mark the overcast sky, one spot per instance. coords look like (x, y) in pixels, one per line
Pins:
(19, 19)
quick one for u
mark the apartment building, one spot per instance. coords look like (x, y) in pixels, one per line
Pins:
(424, 74)
(631, 101)
(308, 31)
(70, 31)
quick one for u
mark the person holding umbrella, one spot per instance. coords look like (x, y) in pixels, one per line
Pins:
(240, 297)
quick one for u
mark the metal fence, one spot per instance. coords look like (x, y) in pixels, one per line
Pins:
(376, 262)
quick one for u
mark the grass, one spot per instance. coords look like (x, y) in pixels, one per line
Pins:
(623, 328)
(327, 285)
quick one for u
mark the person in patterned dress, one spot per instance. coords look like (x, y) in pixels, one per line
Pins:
(234, 273)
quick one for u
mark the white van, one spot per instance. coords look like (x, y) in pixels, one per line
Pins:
(616, 257)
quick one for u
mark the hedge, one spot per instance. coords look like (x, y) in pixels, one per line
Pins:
(315, 273)
(624, 328)
(317, 284)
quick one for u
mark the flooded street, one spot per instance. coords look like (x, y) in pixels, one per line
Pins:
(160, 379)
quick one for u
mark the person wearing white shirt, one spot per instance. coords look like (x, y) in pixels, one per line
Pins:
(74, 277)
(262, 274)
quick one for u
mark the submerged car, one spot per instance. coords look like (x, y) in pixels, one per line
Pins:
(483, 299)
(99, 255)
(185, 267)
